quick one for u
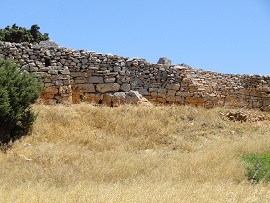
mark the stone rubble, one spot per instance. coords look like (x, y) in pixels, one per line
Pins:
(241, 116)
(72, 76)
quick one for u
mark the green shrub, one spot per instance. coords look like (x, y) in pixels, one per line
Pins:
(257, 167)
(20, 34)
(18, 90)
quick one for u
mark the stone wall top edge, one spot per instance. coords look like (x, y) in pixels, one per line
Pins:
(109, 55)
(61, 48)
(199, 70)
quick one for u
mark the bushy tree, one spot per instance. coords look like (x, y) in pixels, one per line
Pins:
(18, 90)
(20, 34)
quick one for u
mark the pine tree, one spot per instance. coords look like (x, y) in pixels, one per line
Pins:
(18, 90)
(20, 34)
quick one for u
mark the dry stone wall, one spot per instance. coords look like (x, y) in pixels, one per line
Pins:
(72, 76)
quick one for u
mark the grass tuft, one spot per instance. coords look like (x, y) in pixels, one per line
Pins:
(257, 167)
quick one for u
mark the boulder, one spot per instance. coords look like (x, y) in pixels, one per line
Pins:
(48, 43)
(120, 98)
(134, 97)
(164, 61)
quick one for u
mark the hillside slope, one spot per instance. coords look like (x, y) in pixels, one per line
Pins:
(85, 153)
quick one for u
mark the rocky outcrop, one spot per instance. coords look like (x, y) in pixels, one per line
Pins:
(48, 43)
(164, 61)
(72, 76)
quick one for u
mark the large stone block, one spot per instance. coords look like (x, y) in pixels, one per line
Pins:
(96, 79)
(132, 97)
(195, 100)
(108, 87)
(161, 100)
(50, 90)
(171, 98)
(118, 99)
(107, 99)
(165, 61)
(47, 96)
(85, 87)
(153, 94)
(175, 87)
(93, 98)
(162, 95)
(76, 96)
(171, 92)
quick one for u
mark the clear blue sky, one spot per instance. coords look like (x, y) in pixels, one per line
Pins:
(228, 36)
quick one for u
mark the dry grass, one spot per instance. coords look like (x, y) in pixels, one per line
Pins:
(83, 153)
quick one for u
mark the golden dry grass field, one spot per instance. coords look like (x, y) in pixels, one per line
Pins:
(85, 153)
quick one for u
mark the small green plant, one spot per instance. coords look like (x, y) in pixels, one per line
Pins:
(18, 90)
(257, 167)
(20, 34)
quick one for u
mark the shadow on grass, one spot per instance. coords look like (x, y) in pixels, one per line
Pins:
(10, 133)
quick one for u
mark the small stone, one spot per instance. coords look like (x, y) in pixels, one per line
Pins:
(109, 80)
(53, 72)
(65, 71)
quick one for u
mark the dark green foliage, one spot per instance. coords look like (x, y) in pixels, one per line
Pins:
(19, 34)
(257, 167)
(18, 90)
